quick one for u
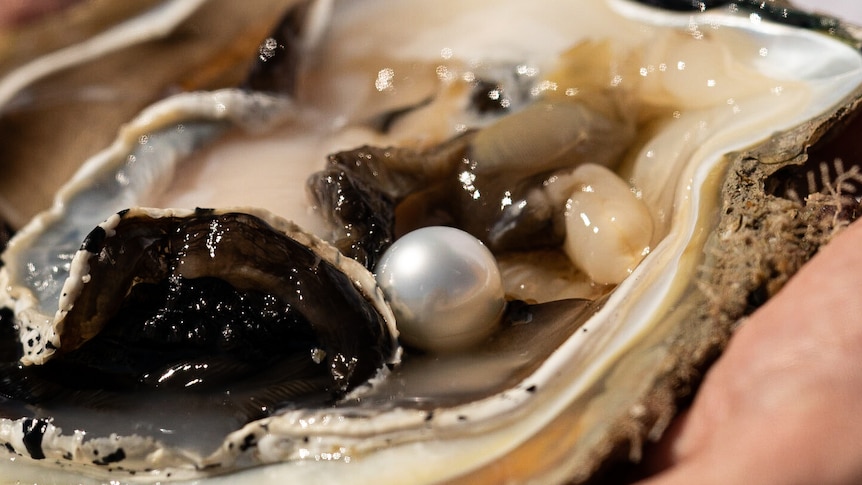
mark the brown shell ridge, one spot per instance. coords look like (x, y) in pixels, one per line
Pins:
(760, 241)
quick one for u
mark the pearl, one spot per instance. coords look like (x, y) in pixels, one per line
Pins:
(443, 286)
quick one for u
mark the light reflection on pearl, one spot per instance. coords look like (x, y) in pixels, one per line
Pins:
(444, 288)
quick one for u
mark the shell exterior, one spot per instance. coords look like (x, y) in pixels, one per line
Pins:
(610, 371)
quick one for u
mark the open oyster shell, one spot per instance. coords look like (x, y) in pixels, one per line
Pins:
(567, 386)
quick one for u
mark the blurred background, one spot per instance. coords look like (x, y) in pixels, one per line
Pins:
(846, 9)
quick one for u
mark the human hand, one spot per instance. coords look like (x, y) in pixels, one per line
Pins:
(783, 405)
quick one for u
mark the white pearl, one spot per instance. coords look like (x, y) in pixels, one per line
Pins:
(444, 288)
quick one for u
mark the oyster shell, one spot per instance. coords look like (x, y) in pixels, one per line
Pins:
(566, 385)
(123, 67)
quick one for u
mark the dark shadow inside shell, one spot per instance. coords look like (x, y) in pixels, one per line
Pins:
(831, 167)
(211, 320)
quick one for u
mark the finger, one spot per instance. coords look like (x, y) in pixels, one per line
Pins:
(782, 404)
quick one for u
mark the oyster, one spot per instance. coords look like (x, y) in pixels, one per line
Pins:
(585, 366)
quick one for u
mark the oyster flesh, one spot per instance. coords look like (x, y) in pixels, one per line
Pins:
(184, 311)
